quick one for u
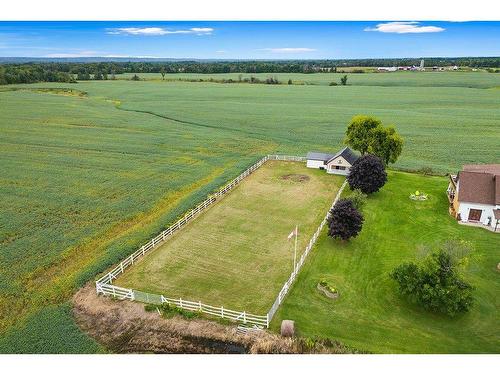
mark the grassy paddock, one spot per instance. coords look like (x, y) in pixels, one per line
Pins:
(370, 314)
(236, 254)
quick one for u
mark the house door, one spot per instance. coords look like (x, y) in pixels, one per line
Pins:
(474, 215)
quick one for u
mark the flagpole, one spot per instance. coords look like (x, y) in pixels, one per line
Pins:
(295, 251)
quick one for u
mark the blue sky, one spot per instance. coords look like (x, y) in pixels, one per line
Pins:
(249, 40)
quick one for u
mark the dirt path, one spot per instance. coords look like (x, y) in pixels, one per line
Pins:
(125, 327)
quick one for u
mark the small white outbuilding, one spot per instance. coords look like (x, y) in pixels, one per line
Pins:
(339, 163)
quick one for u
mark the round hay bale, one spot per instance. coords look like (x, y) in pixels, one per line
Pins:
(498, 267)
(287, 328)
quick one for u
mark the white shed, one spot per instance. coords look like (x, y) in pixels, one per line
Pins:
(318, 159)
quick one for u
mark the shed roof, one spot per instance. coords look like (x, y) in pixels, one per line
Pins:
(313, 155)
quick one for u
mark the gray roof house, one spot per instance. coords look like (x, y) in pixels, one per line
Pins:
(339, 163)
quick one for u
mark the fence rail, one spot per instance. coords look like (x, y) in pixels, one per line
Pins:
(104, 285)
(286, 286)
(157, 299)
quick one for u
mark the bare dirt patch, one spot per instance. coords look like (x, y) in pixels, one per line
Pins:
(125, 327)
(296, 177)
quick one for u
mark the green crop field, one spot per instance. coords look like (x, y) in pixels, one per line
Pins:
(370, 314)
(236, 254)
(407, 79)
(92, 170)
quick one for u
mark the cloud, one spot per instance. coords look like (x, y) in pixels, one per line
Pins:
(288, 50)
(155, 31)
(404, 27)
(221, 51)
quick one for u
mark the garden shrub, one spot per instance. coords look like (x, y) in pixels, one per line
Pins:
(435, 284)
(358, 198)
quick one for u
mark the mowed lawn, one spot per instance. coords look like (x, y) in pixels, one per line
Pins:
(370, 314)
(236, 254)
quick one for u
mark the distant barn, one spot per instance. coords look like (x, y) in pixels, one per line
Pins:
(339, 163)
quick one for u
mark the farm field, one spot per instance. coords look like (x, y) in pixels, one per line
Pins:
(406, 79)
(369, 313)
(434, 121)
(82, 186)
(89, 175)
(236, 254)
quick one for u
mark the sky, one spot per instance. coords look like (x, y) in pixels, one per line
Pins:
(250, 40)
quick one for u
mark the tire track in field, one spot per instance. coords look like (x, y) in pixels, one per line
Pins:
(119, 107)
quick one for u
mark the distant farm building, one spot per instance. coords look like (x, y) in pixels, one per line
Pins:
(387, 69)
(339, 163)
(474, 195)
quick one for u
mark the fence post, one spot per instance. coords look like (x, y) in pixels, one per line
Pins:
(180, 302)
(199, 304)
(267, 320)
(143, 251)
(121, 266)
(244, 317)
(222, 311)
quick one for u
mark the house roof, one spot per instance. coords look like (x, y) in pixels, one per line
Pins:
(313, 155)
(479, 184)
(485, 168)
(347, 154)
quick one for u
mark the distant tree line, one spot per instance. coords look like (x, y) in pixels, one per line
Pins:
(22, 71)
(32, 73)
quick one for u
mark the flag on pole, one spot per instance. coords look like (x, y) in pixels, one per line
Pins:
(294, 233)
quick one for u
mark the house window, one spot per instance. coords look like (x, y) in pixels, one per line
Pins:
(475, 215)
(339, 168)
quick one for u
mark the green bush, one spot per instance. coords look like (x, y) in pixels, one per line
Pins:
(358, 198)
(436, 284)
(169, 310)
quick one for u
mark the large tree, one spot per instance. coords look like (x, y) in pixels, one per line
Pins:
(367, 174)
(359, 132)
(367, 135)
(345, 220)
(386, 143)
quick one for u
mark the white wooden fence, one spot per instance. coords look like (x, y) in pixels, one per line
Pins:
(157, 299)
(286, 287)
(104, 285)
